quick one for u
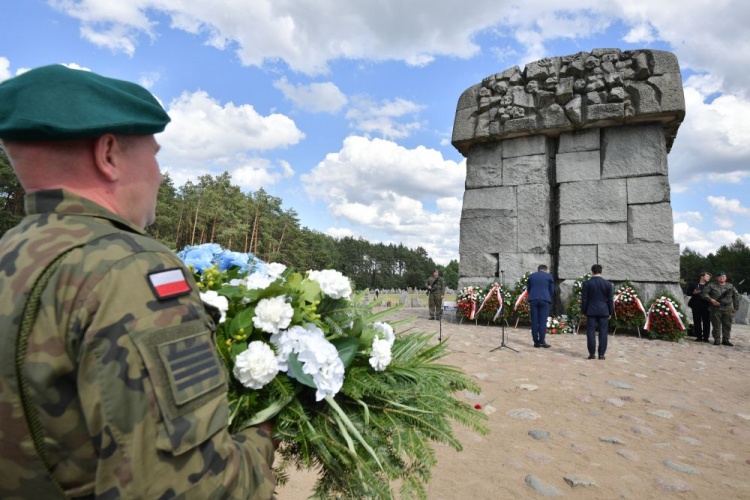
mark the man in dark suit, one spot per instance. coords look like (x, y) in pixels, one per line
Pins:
(541, 288)
(701, 314)
(597, 306)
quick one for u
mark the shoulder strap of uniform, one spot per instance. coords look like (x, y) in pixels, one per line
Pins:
(30, 310)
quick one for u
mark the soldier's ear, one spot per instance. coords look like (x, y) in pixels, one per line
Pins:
(108, 157)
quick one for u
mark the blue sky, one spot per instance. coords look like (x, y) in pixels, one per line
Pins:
(345, 108)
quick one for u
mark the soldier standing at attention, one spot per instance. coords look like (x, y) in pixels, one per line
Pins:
(110, 383)
(436, 289)
(724, 300)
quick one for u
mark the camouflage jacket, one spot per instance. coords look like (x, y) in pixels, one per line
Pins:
(437, 284)
(129, 389)
(715, 290)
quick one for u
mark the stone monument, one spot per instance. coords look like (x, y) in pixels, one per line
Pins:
(567, 166)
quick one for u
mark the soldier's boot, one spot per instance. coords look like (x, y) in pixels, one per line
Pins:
(726, 328)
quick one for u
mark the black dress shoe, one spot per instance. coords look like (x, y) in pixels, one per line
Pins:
(545, 345)
(592, 357)
(537, 344)
(602, 357)
(706, 340)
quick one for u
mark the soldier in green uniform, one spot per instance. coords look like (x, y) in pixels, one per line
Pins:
(110, 382)
(725, 300)
(436, 290)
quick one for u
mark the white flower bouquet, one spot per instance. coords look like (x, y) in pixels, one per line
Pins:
(349, 397)
(559, 324)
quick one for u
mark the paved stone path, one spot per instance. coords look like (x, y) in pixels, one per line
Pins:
(653, 420)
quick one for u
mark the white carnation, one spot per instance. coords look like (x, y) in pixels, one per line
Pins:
(384, 332)
(275, 269)
(256, 366)
(320, 359)
(332, 283)
(272, 315)
(381, 354)
(257, 281)
(212, 298)
(287, 342)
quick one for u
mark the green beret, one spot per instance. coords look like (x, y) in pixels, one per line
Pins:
(721, 273)
(55, 103)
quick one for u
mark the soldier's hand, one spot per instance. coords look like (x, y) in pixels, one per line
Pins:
(715, 302)
(267, 427)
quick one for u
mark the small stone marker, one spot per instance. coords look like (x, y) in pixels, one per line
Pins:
(681, 467)
(673, 485)
(661, 413)
(523, 414)
(539, 435)
(543, 489)
(580, 480)
(620, 385)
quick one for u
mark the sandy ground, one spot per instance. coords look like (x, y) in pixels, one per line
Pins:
(654, 420)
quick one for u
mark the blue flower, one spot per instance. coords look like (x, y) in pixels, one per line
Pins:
(228, 259)
(199, 258)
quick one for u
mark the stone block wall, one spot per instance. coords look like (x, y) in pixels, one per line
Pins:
(505, 223)
(567, 166)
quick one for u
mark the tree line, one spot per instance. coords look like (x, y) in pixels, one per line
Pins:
(212, 209)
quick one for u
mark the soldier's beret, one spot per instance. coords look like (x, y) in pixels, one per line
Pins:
(56, 103)
(721, 273)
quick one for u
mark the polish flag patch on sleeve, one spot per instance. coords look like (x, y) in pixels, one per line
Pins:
(169, 283)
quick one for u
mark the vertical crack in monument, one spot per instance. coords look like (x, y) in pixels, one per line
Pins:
(567, 166)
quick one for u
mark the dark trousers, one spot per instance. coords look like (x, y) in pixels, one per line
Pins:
(539, 311)
(701, 323)
(591, 322)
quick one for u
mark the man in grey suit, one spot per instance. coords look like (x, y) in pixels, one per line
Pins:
(597, 306)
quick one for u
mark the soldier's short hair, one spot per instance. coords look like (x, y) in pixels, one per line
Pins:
(596, 269)
(542, 268)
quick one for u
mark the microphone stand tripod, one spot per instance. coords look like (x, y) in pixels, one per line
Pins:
(502, 342)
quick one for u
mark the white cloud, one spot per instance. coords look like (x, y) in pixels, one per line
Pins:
(4, 68)
(75, 66)
(723, 205)
(723, 237)
(260, 172)
(724, 222)
(369, 117)
(202, 129)
(208, 137)
(691, 216)
(339, 232)
(316, 97)
(713, 143)
(304, 35)
(640, 33)
(149, 79)
(735, 177)
(707, 36)
(384, 188)
(691, 237)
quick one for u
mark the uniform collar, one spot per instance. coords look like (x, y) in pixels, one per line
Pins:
(60, 201)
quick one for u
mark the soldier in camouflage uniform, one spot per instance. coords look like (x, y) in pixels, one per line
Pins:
(110, 383)
(724, 300)
(436, 289)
